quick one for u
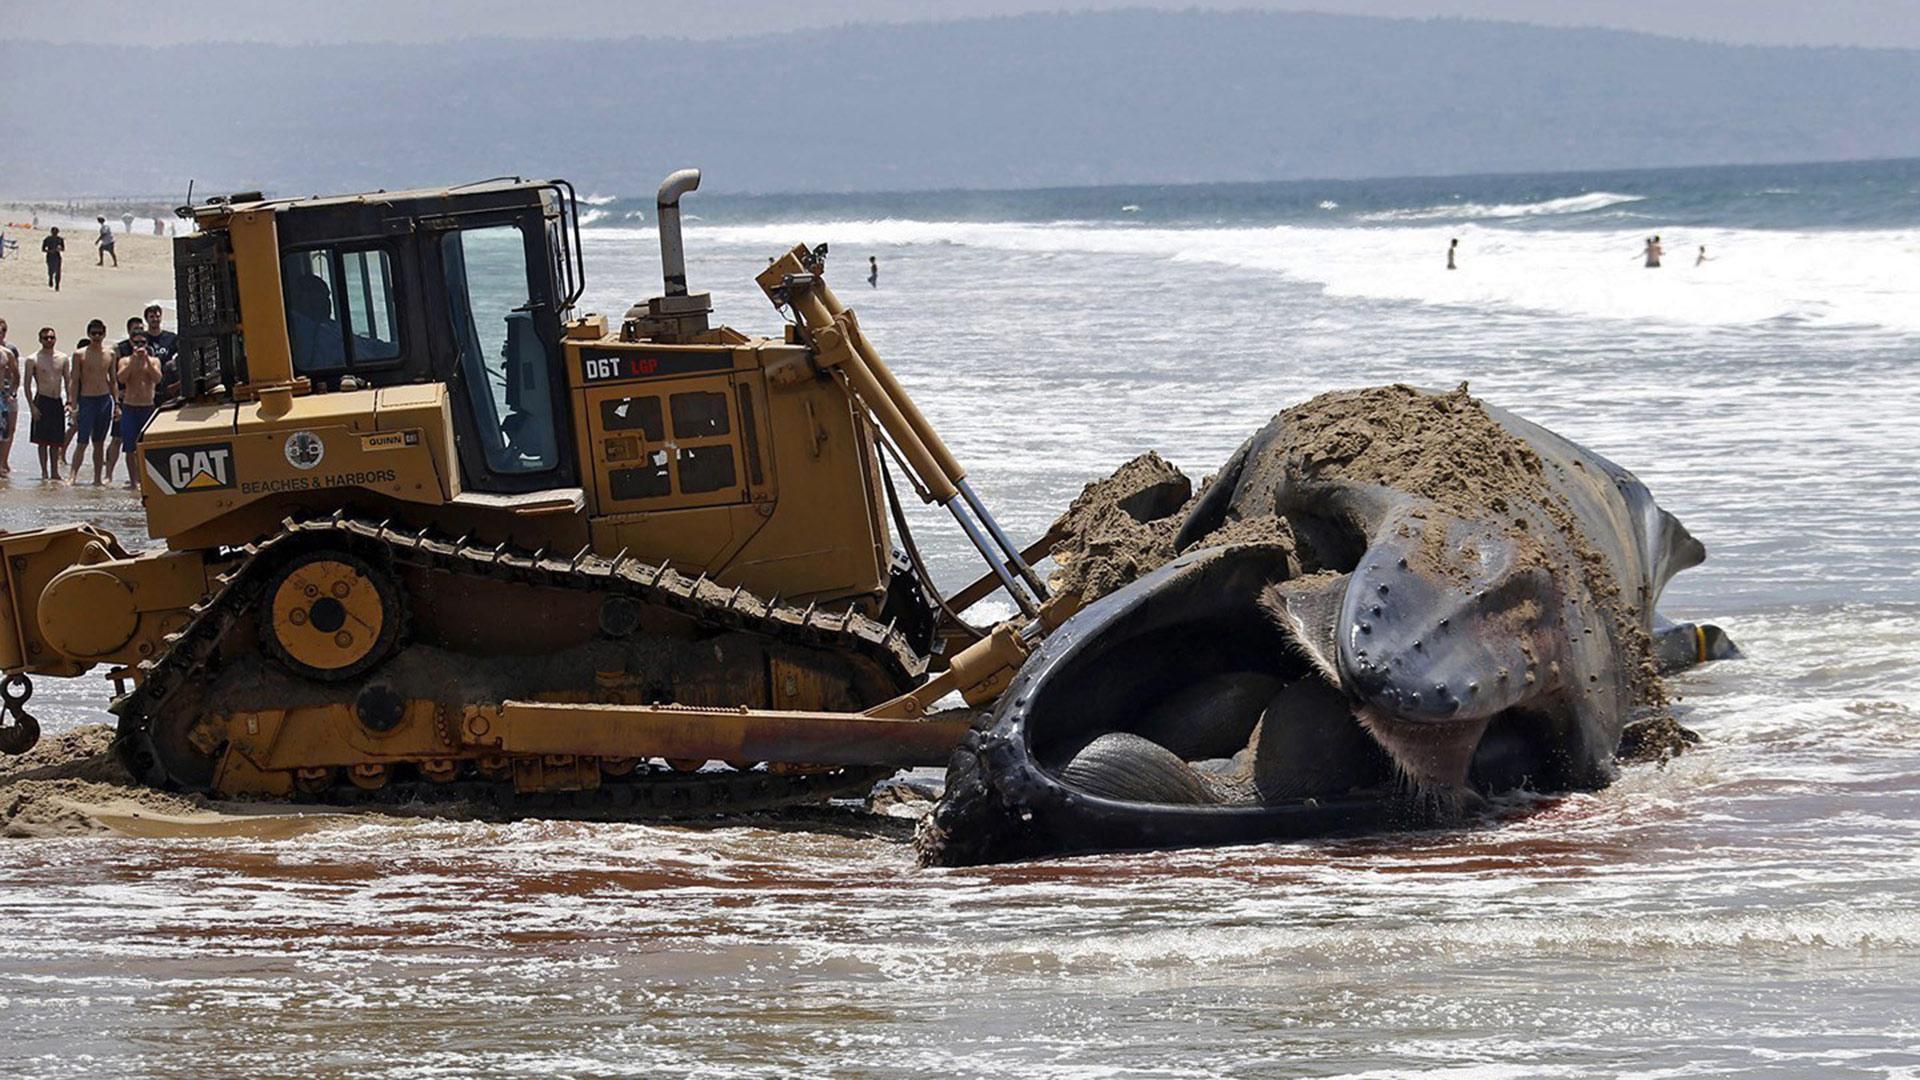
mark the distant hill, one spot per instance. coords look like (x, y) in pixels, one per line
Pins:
(1010, 102)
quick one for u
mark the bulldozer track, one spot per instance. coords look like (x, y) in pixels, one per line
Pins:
(647, 793)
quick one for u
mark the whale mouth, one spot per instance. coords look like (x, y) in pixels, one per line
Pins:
(1184, 689)
(1216, 682)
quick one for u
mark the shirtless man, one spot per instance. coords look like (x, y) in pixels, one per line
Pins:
(9, 397)
(46, 387)
(139, 378)
(90, 386)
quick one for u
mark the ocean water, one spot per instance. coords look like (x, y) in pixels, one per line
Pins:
(1752, 908)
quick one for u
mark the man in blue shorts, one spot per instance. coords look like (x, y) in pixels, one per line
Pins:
(90, 386)
(139, 380)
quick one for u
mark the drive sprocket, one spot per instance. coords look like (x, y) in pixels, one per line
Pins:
(330, 615)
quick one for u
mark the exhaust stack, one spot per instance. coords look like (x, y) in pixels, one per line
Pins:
(678, 316)
(673, 256)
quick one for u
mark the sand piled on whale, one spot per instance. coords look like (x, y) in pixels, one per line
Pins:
(1444, 447)
(1122, 528)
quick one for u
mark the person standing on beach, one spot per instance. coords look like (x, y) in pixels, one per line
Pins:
(873, 271)
(139, 379)
(9, 397)
(47, 383)
(122, 349)
(126, 222)
(161, 345)
(105, 243)
(90, 386)
(1451, 248)
(55, 247)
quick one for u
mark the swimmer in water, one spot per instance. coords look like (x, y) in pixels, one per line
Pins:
(1451, 248)
(873, 271)
(1652, 252)
(1702, 257)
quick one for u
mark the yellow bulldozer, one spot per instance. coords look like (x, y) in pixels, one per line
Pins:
(426, 526)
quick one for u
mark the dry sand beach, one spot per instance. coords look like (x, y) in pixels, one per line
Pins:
(115, 294)
(109, 293)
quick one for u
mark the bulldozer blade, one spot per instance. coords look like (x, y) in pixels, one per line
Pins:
(692, 732)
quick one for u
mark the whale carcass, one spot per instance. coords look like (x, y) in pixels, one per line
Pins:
(1387, 605)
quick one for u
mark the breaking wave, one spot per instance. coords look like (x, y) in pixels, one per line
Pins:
(1571, 204)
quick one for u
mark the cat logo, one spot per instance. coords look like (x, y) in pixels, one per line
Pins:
(304, 450)
(185, 470)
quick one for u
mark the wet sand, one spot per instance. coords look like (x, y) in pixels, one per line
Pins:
(70, 785)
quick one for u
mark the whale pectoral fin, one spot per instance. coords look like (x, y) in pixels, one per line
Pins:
(1307, 610)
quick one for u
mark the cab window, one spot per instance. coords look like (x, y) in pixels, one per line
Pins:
(503, 362)
(698, 461)
(341, 312)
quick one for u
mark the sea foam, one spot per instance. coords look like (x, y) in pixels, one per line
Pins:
(1857, 280)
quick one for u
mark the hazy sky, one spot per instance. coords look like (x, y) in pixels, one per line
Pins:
(1759, 22)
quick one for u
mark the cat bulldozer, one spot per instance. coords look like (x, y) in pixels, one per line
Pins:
(425, 526)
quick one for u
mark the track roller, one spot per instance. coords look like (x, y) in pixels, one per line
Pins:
(370, 776)
(315, 780)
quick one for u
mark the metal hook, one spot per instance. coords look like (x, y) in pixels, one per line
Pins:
(18, 736)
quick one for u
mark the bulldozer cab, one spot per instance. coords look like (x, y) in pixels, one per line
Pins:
(468, 287)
